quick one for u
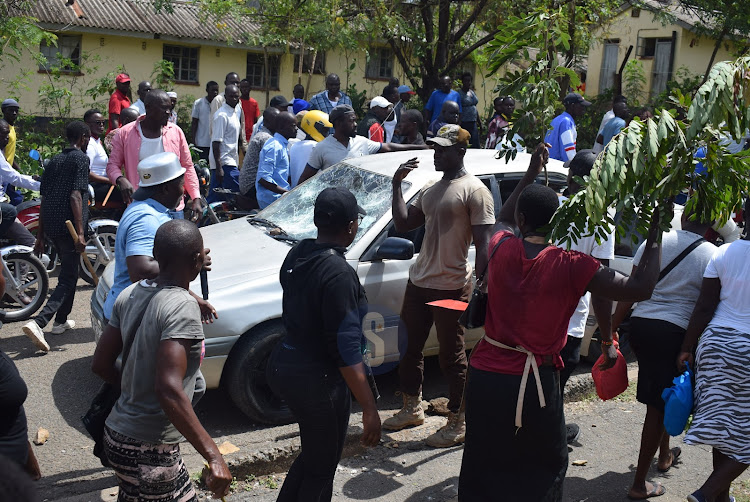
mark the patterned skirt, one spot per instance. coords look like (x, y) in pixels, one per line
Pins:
(721, 415)
(145, 471)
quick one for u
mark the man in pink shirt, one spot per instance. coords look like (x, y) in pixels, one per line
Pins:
(148, 135)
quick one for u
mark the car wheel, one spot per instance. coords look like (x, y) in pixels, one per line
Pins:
(245, 376)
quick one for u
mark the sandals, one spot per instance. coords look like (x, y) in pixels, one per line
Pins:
(675, 453)
(657, 490)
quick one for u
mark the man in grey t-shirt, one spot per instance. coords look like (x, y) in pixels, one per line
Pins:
(156, 325)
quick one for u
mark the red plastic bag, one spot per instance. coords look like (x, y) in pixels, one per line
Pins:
(612, 382)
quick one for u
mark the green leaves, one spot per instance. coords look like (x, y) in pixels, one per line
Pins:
(651, 162)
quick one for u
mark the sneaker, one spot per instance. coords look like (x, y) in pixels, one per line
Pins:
(59, 329)
(573, 433)
(697, 496)
(451, 434)
(411, 413)
(36, 335)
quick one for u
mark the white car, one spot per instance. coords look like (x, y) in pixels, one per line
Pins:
(248, 252)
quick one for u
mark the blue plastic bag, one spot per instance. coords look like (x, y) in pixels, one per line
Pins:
(678, 403)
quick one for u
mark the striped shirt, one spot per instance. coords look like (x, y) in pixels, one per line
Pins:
(562, 137)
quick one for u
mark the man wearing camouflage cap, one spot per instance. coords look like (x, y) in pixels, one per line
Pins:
(455, 211)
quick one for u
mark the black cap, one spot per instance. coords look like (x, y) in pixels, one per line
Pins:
(574, 98)
(336, 206)
(279, 100)
(338, 112)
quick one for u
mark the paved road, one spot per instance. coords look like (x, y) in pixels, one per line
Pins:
(61, 386)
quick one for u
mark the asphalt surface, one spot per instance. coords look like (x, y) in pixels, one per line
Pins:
(61, 386)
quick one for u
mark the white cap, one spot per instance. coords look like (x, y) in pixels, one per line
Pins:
(380, 102)
(158, 169)
(172, 94)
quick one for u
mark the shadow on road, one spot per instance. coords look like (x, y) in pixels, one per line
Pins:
(70, 482)
(73, 387)
(605, 488)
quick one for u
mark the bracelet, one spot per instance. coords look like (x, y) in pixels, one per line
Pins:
(607, 344)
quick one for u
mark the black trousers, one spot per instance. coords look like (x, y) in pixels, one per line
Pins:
(502, 462)
(9, 216)
(321, 403)
(571, 356)
(60, 303)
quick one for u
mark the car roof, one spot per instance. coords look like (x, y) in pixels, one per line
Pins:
(477, 162)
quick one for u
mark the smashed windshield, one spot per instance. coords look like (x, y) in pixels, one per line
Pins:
(294, 212)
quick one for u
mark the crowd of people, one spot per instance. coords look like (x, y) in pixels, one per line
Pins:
(508, 397)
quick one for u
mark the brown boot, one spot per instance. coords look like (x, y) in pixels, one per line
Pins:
(451, 434)
(410, 414)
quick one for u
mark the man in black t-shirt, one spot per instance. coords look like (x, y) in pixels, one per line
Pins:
(65, 196)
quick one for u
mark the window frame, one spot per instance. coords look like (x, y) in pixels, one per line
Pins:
(274, 73)
(320, 63)
(376, 54)
(180, 69)
(52, 60)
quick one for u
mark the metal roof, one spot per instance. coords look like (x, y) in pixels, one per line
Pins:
(140, 17)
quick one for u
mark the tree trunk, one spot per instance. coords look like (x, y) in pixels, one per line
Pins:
(717, 45)
(312, 70)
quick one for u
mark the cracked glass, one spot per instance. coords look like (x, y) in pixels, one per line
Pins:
(292, 214)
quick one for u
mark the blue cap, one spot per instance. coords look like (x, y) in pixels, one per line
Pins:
(405, 89)
(300, 104)
(10, 102)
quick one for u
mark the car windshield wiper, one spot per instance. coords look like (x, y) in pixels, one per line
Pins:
(285, 238)
(268, 223)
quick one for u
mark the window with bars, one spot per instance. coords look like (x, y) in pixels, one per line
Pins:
(256, 72)
(184, 60)
(320, 63)
(66, 55)
(380, 65)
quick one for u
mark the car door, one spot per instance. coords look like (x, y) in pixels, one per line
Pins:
(385, 281)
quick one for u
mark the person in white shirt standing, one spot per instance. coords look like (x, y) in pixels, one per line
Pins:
(143, 89)
(98, 159)
(225, 138)
(200, 126)
(231, 79)
(581, 166)
(599, 143)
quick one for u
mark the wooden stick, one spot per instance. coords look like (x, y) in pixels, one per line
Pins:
(108, 194)
(86, 260)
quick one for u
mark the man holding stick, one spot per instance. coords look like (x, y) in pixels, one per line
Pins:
(65, 196)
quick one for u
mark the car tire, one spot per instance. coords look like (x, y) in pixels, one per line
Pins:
(245, 376)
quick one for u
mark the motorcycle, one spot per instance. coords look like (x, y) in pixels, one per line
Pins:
(101, 230)
(26, 283)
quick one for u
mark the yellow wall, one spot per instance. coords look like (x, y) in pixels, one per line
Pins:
(214, 62)
(695, 58)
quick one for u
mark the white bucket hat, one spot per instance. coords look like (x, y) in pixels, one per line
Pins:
(158, 169)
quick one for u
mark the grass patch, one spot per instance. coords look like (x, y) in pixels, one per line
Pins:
(629, 395)
(741, 490)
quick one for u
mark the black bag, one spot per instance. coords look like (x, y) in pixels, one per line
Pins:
(94, 419)
(475, 313)
(100, 408)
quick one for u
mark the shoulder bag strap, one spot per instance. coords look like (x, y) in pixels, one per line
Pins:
(680, 257)
(480, 278)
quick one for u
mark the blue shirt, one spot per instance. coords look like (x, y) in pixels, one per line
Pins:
(611, 129)
(562, 137)
(135, 237)
(273, 166)
(438, 97)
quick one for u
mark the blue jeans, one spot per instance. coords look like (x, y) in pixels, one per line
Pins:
(320, 401)
(230, 181)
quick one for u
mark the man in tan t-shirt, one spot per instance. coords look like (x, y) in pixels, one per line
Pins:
(454, 210)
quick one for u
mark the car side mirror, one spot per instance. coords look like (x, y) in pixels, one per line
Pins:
(395, 248)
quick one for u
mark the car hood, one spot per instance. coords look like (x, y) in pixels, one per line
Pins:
(240, 253)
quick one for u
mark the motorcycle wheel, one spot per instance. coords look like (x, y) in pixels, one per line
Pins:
(106, 237)
(30, 277)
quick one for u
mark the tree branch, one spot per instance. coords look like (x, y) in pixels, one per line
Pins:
(468, 50)
(478, 8)
(429, 35)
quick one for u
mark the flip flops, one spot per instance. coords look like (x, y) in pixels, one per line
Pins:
(675, 452)
(657, 490)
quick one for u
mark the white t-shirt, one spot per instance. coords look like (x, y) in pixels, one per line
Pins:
(140, 106)
(202, 112)
(389, 127)
(299, 154)
(330, 151)
(674, 297)
(730, 265)
(149, 146)
(97, 157)
(598, 147)
(226, 130)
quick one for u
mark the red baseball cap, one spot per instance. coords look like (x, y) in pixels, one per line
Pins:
(122, 77)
